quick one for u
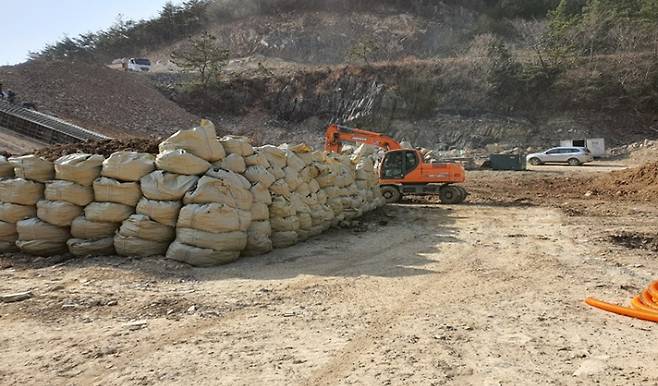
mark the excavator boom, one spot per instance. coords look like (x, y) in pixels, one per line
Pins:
(336, 135)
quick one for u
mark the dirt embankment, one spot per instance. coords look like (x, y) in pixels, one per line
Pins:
(110, 102)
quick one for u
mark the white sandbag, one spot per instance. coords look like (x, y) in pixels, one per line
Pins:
(312, 157)
(281, 207)
(261, 193)
(229, 241)
(363, 151)
(35, 229)
(60, 190)
(258, 239)
(281, 188)
(292, 177)
(42, 247)
(275, 156)
(128, 165)
(20, 191)
(233, 162)
(200, 141)
(284, 224)
(311, 199)
(283, 239)
(108, 212)
(163, 186)
(297, 202)
(257, 174)
(303, 189)
(293, 161)
(212, 190)
(332, 191)
(321, 214)
(60, 213)
(141, 227)
(8, 246)
(31, 167)
(8, 232)
(180, 161)
(256, 159)
(200, 257)
(321, 197)
(214, 218)
(164, 212)
(297, 148)
(309, 173)
(234, 144)
(111, 190)
(260, 212)
(326, 180)
(305, 220)
(81, 247)
(135, 247)
(14, 213)
(313, 186)
(6, 168)
(277, 172)
(263, 228)
(230, 177)
(83, 228)
(80, 168)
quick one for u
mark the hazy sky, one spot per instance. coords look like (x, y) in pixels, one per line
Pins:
(28, 25)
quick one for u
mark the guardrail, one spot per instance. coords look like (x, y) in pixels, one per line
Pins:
(43, 127)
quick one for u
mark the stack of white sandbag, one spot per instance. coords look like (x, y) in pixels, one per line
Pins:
(115, 194)
(35, 236)
(321, 214)
(283, 215)
(328, 171)
(367, 180)
(242, 158)
(183, 156)
(18, 198)
(212, 225)
(70, 192)
(300, 176)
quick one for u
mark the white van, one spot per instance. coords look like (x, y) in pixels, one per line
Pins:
(138, 65)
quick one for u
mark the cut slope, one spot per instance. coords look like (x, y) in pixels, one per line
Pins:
(93, 96)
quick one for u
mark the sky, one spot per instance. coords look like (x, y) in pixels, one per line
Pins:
(29, 25)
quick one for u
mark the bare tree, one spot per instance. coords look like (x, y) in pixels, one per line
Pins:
(203, 56)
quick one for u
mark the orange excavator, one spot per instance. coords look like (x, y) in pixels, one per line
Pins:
(403, 171)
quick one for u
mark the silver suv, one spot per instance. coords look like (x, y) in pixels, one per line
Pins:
(574, 156)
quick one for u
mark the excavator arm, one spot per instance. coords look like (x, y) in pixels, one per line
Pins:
(336, 135)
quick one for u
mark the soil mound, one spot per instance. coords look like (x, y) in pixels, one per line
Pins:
(93, 96)
(105, 147)
(638, 183)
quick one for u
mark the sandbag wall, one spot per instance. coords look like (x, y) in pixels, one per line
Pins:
(201, 200)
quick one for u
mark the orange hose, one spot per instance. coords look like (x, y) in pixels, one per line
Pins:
(644, 306)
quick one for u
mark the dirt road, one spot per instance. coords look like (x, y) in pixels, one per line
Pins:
(473, 294)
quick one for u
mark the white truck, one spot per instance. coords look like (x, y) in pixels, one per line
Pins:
(137, 65)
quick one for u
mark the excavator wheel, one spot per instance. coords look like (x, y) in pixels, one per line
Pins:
(463, 192)
(450, 194)
(391, 194)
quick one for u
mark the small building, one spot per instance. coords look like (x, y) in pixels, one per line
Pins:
(595, 145)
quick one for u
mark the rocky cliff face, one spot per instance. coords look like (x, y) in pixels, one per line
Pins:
(439, 105)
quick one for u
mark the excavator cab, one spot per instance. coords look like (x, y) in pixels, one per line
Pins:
(397, 164)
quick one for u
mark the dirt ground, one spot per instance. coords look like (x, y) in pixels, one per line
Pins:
(486, 293)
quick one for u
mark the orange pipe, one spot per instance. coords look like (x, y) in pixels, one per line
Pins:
(653, 317)
(643, 306)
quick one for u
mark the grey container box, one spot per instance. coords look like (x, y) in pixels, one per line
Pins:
(508, 162)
